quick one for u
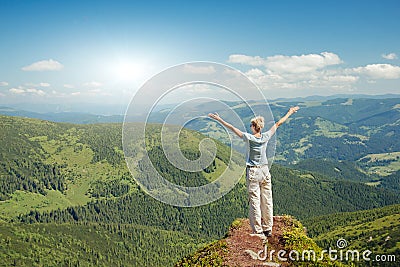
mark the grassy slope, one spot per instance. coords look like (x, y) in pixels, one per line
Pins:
(91, 245)
(289, 237)
(61, 144)
(382, 164)
(300, 193)
(87, 160)
(377, 230)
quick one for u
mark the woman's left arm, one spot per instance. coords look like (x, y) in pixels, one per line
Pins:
(283, 119)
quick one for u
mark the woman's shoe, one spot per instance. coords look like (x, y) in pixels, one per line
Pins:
(268, 233)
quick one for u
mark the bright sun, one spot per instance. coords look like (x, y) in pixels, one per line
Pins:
(128, 71)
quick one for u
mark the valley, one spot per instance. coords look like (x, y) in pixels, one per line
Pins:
(336, 163)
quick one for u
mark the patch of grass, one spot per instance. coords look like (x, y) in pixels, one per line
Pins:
(382, 164)
(308, 252)
(329, 128)
(376, 183)
(22, 202)
(236, 224)
(81, 170)
(210, 255)
(368, 235)
(302, 149)
(307, 176)
(220, 167)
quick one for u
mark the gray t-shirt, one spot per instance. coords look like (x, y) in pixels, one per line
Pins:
(256, 148)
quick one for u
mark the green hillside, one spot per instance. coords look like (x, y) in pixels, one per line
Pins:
(345, 170)
(238, 248)
(46, 165)
(343, 138)
(97, 191)
(73, 176)
(338, 129)
(341, 170)
(91, 245)
(377, 230)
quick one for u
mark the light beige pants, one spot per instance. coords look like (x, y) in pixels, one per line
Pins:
(260, 198)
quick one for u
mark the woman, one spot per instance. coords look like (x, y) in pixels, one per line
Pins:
(258, 177)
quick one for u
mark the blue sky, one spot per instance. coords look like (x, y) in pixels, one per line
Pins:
(102, 51)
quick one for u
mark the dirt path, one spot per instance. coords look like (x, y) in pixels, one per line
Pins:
(244, 250)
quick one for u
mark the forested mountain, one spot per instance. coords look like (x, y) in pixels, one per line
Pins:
(377, 230)
(59, 179)
(346, 138)
(339, 129)
(92, 244)
(349, 129)
(341, 170)
(343, 129)
(48, 165)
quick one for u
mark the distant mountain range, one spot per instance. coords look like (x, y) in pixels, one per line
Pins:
(70, 117)
(65, 188)
(32, 110)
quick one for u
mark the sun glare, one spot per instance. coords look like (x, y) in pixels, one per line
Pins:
(128, 71)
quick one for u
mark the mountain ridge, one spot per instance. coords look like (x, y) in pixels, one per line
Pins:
(88, 159)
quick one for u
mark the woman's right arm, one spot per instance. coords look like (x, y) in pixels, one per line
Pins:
(283, 119)
(235, 130)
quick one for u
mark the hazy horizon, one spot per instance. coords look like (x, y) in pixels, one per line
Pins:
(119, 109)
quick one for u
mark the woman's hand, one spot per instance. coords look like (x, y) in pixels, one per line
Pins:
(293, 110)
(214, 116)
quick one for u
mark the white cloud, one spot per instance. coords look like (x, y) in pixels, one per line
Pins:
(335, 81)
(17, 91)
(332, 78)
(2, 95)
(342, 78)
(35, 91)
(232, 73)
(247, 60)
(311, 71)
(198, 70)
(21, 91)
(44, 65)
(303, 63)
(94, 91)
(379, 71)
(389, 56)
(196, 88)
(289, 64)
(255, 73)
(69, 86)
(75, 93)
(3, 83)
(42, 84)
(93, 84)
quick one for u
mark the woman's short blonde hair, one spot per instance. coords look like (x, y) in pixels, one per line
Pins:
(258, 123)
